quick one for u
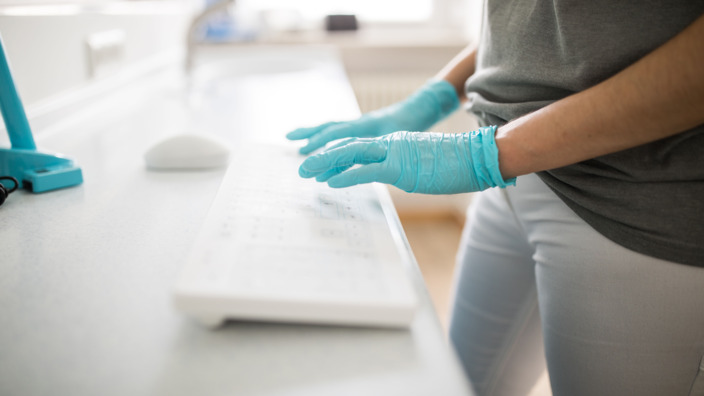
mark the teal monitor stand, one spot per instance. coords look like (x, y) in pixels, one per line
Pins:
(35, 171)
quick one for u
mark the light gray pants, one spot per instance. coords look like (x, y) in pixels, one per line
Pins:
(535, 283)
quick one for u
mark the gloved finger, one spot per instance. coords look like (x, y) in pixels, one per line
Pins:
(327, 135)
(332, 172)
(345, 142)
(360, 151)
(335, 171)
(365, 174)
(305, 133)
(306, 173)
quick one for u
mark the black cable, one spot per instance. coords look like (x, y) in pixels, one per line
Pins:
(4, 192)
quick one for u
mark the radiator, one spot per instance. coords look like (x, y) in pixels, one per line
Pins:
(377, 90)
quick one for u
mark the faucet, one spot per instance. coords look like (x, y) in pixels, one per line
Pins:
(191, 37)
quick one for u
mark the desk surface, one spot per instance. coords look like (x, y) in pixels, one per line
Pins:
(86, 272)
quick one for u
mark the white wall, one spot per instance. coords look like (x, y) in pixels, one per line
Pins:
(46, 45)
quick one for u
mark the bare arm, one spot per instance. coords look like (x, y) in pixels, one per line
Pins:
(660, 95)
(459, 69)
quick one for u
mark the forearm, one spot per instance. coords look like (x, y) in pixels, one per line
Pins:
(459, 69)
(660, 95)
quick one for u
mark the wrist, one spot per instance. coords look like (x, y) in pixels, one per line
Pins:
(503, 144)
(427, 106)
(485, 155)
(517, 155)
(444, 94)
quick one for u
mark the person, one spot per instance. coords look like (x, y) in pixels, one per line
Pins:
(589, 256)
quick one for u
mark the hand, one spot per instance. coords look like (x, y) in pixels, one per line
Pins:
(430, 104)
(423, 162)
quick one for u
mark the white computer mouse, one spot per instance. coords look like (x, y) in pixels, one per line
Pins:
(187, 151)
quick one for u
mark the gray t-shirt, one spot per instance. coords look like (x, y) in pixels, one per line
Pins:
(533, 52)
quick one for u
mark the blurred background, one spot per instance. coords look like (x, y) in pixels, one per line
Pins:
(59, 49)
(63, 51)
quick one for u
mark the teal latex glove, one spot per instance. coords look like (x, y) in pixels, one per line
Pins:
(423, 162)
(427, 106)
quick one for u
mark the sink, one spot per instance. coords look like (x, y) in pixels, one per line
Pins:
(235, 63)
(247, 67)
(251, 88)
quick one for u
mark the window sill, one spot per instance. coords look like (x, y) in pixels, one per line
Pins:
(375, 37)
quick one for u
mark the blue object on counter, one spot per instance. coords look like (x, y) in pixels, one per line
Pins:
(11, 106)
(224, 27)
(36, 171)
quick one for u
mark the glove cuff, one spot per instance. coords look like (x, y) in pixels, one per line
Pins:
(484, 151)
(444, 94)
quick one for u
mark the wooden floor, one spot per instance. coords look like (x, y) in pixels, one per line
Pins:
(434, 241)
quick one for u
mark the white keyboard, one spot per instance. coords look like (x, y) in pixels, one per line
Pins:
(276, 247)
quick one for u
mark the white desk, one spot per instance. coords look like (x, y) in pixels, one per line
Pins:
(86, 272)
